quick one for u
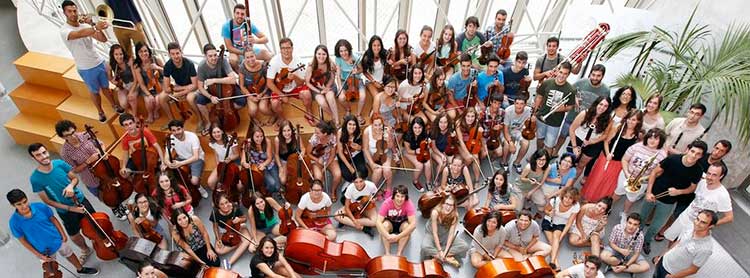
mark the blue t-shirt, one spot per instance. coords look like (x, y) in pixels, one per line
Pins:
(54, 182)
(459, 85)
(484, 81)
(345, 68)
(553, 174)
(235, 33)
(38, 230)
(513, 81)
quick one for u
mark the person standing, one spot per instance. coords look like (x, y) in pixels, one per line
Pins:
(546, 66)
(676, 176)
(497, 31)
(126, 10)
(589, 89)
(555, 93)
(79, 38)
(682, 131)
(691, 252)
(39, 231)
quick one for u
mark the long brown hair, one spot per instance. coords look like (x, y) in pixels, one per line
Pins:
(449, 218)
(282, 140)
(397, 50)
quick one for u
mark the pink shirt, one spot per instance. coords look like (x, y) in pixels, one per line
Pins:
(394, 215)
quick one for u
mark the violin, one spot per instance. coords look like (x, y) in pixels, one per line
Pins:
(493, 140)
(319, 78)
(224, 112)
(400, 71)
(503, 51)
(113, 189)
(472, 96)
(146, 228)
(228, 173)
(251, 178)
(415, 106)
(98, 228)
(286, 221)
(364, 203)
(448, 62)
(182, 172)
(311, 253)
(153, 80)
(319, 150)
(451, 148)
(423, 154)
(436, 98)
(474, 144)
(52, 268)
(145, 159)
(259, 81)
(523, 85)
(217, 272)
(401, 125)
(298, 181)
(379, 157)
(318, 217)
(474, 217)
(283, 77)
(352, 89)
(388, 266)
(529, 126)
(426, 58)
(484, 55)
(231, 237)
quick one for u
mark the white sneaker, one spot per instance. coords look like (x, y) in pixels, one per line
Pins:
(203, 192)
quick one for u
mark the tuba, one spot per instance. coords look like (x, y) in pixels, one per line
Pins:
(105, 13)
(634, 183)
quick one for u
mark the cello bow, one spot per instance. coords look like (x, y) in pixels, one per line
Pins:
(492, 256)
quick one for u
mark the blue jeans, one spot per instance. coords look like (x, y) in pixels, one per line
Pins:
(661, 214)
(271, 178)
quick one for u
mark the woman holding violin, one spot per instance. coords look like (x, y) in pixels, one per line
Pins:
(373, 65)
(469, 130)
(440, 241)
(436, 100)
(501, 195)
(455, 176)
(351, 159)
(258, 152)
(400, 56)
(411, 93)
(322, 154)
(416, 141)
(385, 104)
(146, 214)
(445, 144)
(265, 220)
(320, 81)
(253, 80)
(219, 142)
(377, 145)
(315, 205)
(79, 151)
(425, 50)
(286, 144)
(490, 235)
(229, 229)
(192, 237)
(269, 262)
(170, 195)
(120, 72)
(148, 71)
(350, 86)
(447, 49)
(34, 225)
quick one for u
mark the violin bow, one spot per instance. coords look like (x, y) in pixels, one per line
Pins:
(91, 218)
(238, 232)
(108, 150)
(448, 248)
(480, 244)
(372, 196)
(316, 118)
(350, 74)
(485, 183)
(169, 226)
(47, 254)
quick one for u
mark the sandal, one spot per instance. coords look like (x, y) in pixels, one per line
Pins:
(659, 237)
(102, 117)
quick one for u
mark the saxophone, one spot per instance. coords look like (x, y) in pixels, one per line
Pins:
(634, 183)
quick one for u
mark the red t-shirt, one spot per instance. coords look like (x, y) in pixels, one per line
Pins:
(168, 202)
(128, 140)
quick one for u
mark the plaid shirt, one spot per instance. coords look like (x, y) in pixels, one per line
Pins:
(622, 240)
(497, 41)
(77, 156)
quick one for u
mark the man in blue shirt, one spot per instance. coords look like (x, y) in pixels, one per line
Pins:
(40, 232)
(459, 82)
(513, 75)
(236, 38)
(55, 183)
(490, 77)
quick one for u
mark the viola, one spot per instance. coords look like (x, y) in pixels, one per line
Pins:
(423, 154)
(388, 266)
(529, 126)
(231, 237)
(451, 147)
(98, 228)
(311, 253)
(146, 229)
(224, 112)
(228, 173)
(474, 217)
(182, 173)
(217, 272)
(251, 178)
(523, 85)
(113, 188)
(283, 77)
(503, 51)
(145, 159)
(286, 221)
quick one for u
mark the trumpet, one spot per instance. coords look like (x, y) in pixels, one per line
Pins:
(105, 13)
(634, 183)
(557, 105)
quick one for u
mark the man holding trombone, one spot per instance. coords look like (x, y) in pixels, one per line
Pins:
(554, 98)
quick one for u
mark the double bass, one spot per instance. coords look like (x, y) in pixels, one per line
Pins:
(311, 253)
(224, 112)
(180, 173)
(388, 266)
(113, 188)
(298, 173)
(228, 173)
(98, 228)
(145, 159)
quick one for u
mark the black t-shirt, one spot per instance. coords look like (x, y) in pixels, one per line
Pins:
(676, 175)
(181, 75)
(413, 140)
(512, 81)
(255, 261)
(703, 162)
(225, 218)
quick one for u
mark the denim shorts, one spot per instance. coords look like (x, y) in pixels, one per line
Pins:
(95, 78)
(547, 132)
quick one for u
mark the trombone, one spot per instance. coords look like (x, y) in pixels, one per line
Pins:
(105, 13)
(557, 105)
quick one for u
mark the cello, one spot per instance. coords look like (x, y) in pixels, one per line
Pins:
(311, 253)
(145, 159)
(298, 181)
(388, 266)
(182, 108)
(217, 272)
(224, 112)
(228, 173)
(474, 217)
(106, 240)
(114, 189)
(181, 172)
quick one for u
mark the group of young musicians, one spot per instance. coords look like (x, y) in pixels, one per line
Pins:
(437, 120)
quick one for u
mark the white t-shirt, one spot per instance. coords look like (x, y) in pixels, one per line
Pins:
(407, 91)
(275, 66)
(185, 148)
(418, 49)
(306, 203)
(82, 49)
(717, 200)
(514, 121)
(561, 218)
(689, 134)
(578, 271)
(220, 150)
(353, 194)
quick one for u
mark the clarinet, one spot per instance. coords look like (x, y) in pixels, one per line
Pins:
(678, 140)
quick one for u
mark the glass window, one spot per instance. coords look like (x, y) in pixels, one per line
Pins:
(383, 21)
(177, 13)
(304, 33)
(338, 26)
(423, 12)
